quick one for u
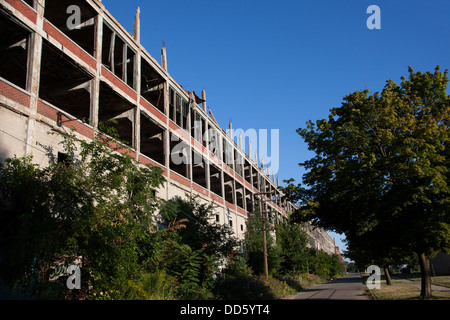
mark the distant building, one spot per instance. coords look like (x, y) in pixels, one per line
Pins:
(338, 252)
(319, 239)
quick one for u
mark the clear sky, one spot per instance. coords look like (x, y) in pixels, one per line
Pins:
(277, 64)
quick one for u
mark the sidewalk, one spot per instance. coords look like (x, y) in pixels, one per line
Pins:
(349, 287)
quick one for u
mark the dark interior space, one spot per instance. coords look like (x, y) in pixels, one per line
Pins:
(117, 56)
(198, 169)
(152, 139)
(215, 180)
(179, 156)
(247, 171)
(84, 33)
(113, 106)
(248, 201)
(239, 195)
(29, 2)
(228, 187)
(63, 83)
(152, 86)
(14, 41)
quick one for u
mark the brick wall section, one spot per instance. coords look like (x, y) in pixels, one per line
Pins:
(176, 177)
(146, 161)
(200, 189)
(15, 94)
(119, 83)
(216, 197)
(24, 9)
(155, 112)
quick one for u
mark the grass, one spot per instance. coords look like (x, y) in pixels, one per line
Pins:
(400, 290)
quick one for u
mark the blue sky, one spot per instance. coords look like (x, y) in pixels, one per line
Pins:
(277, 64)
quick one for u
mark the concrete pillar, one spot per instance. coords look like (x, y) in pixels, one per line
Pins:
(207, 174)
(95, 84)
(137, 117)
(204, 98)
(137, 26)
(164, 57)
(33, 73)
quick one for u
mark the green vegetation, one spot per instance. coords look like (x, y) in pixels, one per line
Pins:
(100, 208)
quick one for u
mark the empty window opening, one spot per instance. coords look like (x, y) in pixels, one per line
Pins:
(172, 104)
(29, 2)
(179, 156)
(63, 83)
(262, 183)
(178, 111)
(214, 142)
(198, 127)
(215, 180)
(113, 106)
(117, 56)
(152, 86)
(255, 178)
(198, 169)
(239, 195)
(247, 171)
(227, 153)
(185, 114)
(14, 46)
(83, 33)
(64, 158)
(152, 139)
(248, 201)
(228, 187)
(239, 160)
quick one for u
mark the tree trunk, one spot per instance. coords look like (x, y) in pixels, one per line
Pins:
(425, 285)
(387, 274)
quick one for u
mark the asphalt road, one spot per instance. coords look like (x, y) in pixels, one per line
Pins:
(350, 287)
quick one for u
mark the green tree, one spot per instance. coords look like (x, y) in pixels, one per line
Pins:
(98, 205)
(192, 246)
(292, 241)
(383, 160)
(200, 231)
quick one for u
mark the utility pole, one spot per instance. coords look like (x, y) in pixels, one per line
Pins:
(264, 231)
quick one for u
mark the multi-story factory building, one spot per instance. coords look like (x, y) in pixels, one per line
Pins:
(57, 74)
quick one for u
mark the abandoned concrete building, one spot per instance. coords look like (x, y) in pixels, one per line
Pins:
(52, 77)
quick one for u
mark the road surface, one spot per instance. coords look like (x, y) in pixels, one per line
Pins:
(350, 287)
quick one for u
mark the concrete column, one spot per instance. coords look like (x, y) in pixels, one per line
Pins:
(95, 83)
(33, 73)
(167, 132)
(164, 57)
(137, 118)
(204, 98)
(137, 26)
(207, 173)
